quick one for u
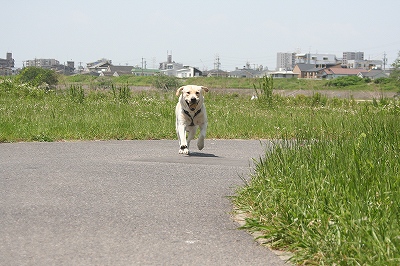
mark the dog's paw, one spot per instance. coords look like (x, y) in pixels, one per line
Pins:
(184, 150)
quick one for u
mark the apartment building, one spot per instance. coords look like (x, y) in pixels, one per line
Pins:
(43, 63)
(352, 56)
(285, 61)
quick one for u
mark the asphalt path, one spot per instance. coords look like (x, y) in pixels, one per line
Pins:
(125, 203)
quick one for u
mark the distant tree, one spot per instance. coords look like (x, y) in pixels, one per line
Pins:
(165, 82)
(395, 74)
(38, 76)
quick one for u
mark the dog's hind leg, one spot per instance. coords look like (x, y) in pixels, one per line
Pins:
(202, 136)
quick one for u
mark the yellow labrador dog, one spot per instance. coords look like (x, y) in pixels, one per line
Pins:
(190, 114)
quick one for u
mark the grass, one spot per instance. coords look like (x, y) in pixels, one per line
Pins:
(223, 83)
(32, 114)
(329, 195)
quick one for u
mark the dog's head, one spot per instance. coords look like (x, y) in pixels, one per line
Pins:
(192, 95)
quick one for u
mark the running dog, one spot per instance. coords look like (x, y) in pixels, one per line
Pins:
(190, 114)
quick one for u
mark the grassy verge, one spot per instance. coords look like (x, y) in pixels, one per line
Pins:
(333, 197)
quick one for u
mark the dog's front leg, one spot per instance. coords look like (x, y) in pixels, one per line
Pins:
(202, 136)
(183, 145)
(191, 132)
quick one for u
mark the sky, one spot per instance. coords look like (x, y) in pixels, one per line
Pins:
(196, 33)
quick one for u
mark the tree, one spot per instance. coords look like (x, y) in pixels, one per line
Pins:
(395, 74)
(165, 82)
(38, 77)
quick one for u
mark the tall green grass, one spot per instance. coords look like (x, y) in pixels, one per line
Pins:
(331, 193)
(30, 114)
(75, 114)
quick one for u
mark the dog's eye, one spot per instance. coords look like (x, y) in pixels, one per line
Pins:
(197, 92)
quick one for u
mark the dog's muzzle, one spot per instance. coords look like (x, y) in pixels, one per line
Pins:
(192, 103)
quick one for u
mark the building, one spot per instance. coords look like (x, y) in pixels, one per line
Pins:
(215, 73)
(285, 61)
(188, 72)
(169, 67)
(247, 73)
(306, 71)
(318, 60)
(98, 66)
(352, 56)
(336, 72)
(137, 71)
(373, 74)
(364, 64)
(8, 62)
(283, 74)
(7, 66)
(117, 71)
(43, 63)
(53, 64)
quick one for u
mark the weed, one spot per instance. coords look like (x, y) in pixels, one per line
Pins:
(121, 93)
(264, 89)
(76, 93)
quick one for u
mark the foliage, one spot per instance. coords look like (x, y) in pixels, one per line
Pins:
(121, 93)
(395, 74)
(264, 89)
(166, 83)
(382, 80)
(346, 81)
(38, 77)
(76, 93)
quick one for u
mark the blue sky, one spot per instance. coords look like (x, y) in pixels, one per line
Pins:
(196, 32)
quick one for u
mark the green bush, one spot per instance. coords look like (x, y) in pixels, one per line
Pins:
(382, 80)
(38, 77)
(345, 81)
(165, 82)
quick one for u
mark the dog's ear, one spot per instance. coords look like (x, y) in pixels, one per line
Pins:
(204, 88)
(178, 91)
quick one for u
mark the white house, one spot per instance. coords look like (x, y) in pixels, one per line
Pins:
(188, 72)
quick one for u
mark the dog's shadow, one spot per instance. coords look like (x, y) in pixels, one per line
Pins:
(200, 154)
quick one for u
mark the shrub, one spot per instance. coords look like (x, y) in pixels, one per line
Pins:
(38, 77)
(345, 81)
(382, 80)
(165, 82)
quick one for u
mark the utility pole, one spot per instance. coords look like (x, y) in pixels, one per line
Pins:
(384, 60)
(217, 64)
(143, 64)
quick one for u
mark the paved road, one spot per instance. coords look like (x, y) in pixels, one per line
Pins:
(124, 203)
